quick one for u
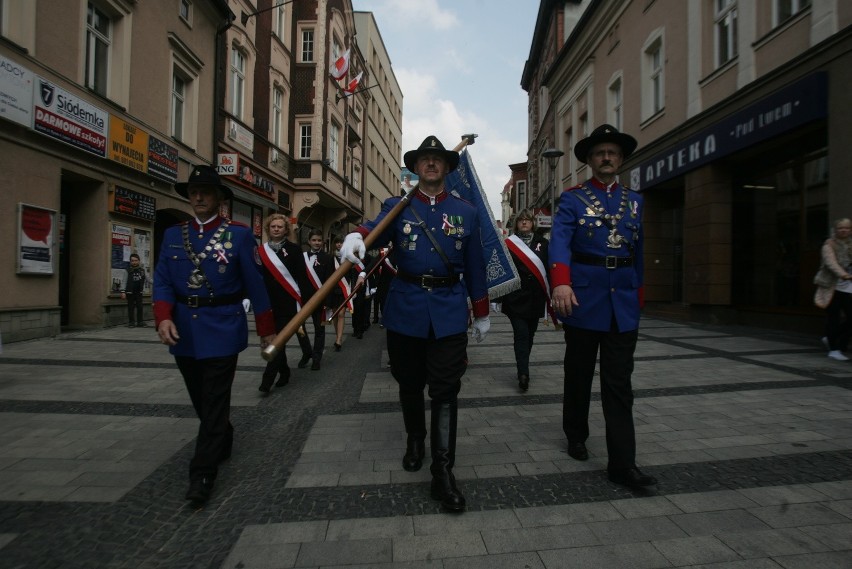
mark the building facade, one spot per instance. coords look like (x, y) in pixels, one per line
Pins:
(90, 146)
(100, 118)
(742, 170)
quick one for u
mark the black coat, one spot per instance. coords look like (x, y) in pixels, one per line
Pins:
(283, 305)
(528, 301)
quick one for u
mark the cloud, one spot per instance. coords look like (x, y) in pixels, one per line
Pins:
(420, 13)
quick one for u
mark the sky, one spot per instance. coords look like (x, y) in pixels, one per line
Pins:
(459, 65)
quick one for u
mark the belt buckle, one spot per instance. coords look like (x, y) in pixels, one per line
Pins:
(611, 261)
(424, 279)
(192, 301)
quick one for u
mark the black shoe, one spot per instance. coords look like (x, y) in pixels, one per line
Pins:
(303, 363)
(199, 490)
(444, 490)
(415, 450)
(631, 477)
(265, 386)
(523, 382)
(578, 451)
(283, 379)
(315, 366)
(337, 347)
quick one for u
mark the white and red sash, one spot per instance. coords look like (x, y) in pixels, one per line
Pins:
(344, 285)
(280, 273)
(531, 261)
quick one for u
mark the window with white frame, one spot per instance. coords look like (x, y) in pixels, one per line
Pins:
(307, 45)
(726, 31)
(305, 140)
(615, 110)
(178, 105)
(238, 81)
(333, 143)
(786, 9)
(185, 11)
(653, 77)
(98, 42)
(277, 115)
(279, 21)
(356, 176)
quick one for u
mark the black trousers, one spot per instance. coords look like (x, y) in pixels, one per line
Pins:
(437, 362)
(616, 368)
(318, 317)
(208, 382)
(361, 313)
(838, 323)
(523, 333)
(134, 304)
(279, 363)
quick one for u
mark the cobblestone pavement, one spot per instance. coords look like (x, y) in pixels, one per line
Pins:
(748, 431)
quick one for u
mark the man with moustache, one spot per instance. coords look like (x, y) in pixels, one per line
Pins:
(436, 241)
(596, 272)
(206, 267)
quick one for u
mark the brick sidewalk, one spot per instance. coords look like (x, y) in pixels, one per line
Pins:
(748, 431)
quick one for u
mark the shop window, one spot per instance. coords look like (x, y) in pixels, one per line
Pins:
(726, 31)
(779, 222)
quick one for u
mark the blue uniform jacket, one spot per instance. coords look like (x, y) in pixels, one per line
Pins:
(211, 331)
(412, 310)
(601, 292)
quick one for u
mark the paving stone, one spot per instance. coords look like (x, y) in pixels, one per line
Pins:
(632, 556)
(768, 543)
(438, 546)
(695, 550)
(795, 515)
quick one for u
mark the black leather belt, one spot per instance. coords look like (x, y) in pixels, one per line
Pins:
(610, 261)
(428, 281)
(196, 301)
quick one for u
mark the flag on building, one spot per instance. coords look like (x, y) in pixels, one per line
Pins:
(501, 275)
(350, 88)
(340, 67)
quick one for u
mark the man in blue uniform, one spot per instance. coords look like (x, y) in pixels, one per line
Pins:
(596, 273)
(206, 267)
(438, 254)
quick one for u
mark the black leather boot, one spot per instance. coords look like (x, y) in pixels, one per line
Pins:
(413, 410)
(444, 425)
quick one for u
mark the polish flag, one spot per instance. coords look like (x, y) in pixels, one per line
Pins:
(340, 68)
(350, 88)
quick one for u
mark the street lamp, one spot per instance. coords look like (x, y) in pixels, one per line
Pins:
(244, 18)
(553, 155)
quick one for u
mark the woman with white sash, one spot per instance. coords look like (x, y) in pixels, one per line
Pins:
(527, 305)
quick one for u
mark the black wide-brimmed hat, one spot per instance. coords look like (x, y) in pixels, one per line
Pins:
(431, 145)
(203, 176)
(604, 133)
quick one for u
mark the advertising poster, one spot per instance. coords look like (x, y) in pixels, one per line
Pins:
(162, 160)
(63, 116)
(124, 241)
(36, 238)
(128, 144)
(16, 92)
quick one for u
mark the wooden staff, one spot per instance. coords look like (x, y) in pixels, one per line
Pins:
(270, 351)
(357, 287)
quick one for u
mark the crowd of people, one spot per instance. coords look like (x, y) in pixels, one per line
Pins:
(427, 278)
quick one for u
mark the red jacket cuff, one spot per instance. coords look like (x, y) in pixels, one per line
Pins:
(480, 307)
(560, 274)
(162, 311)
(362, 230)
(264, 323)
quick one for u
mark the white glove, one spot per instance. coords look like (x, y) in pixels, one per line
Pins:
(480, 328)
(496, 306)
(353, 247)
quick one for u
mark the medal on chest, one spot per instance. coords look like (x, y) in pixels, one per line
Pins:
(196, 278)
